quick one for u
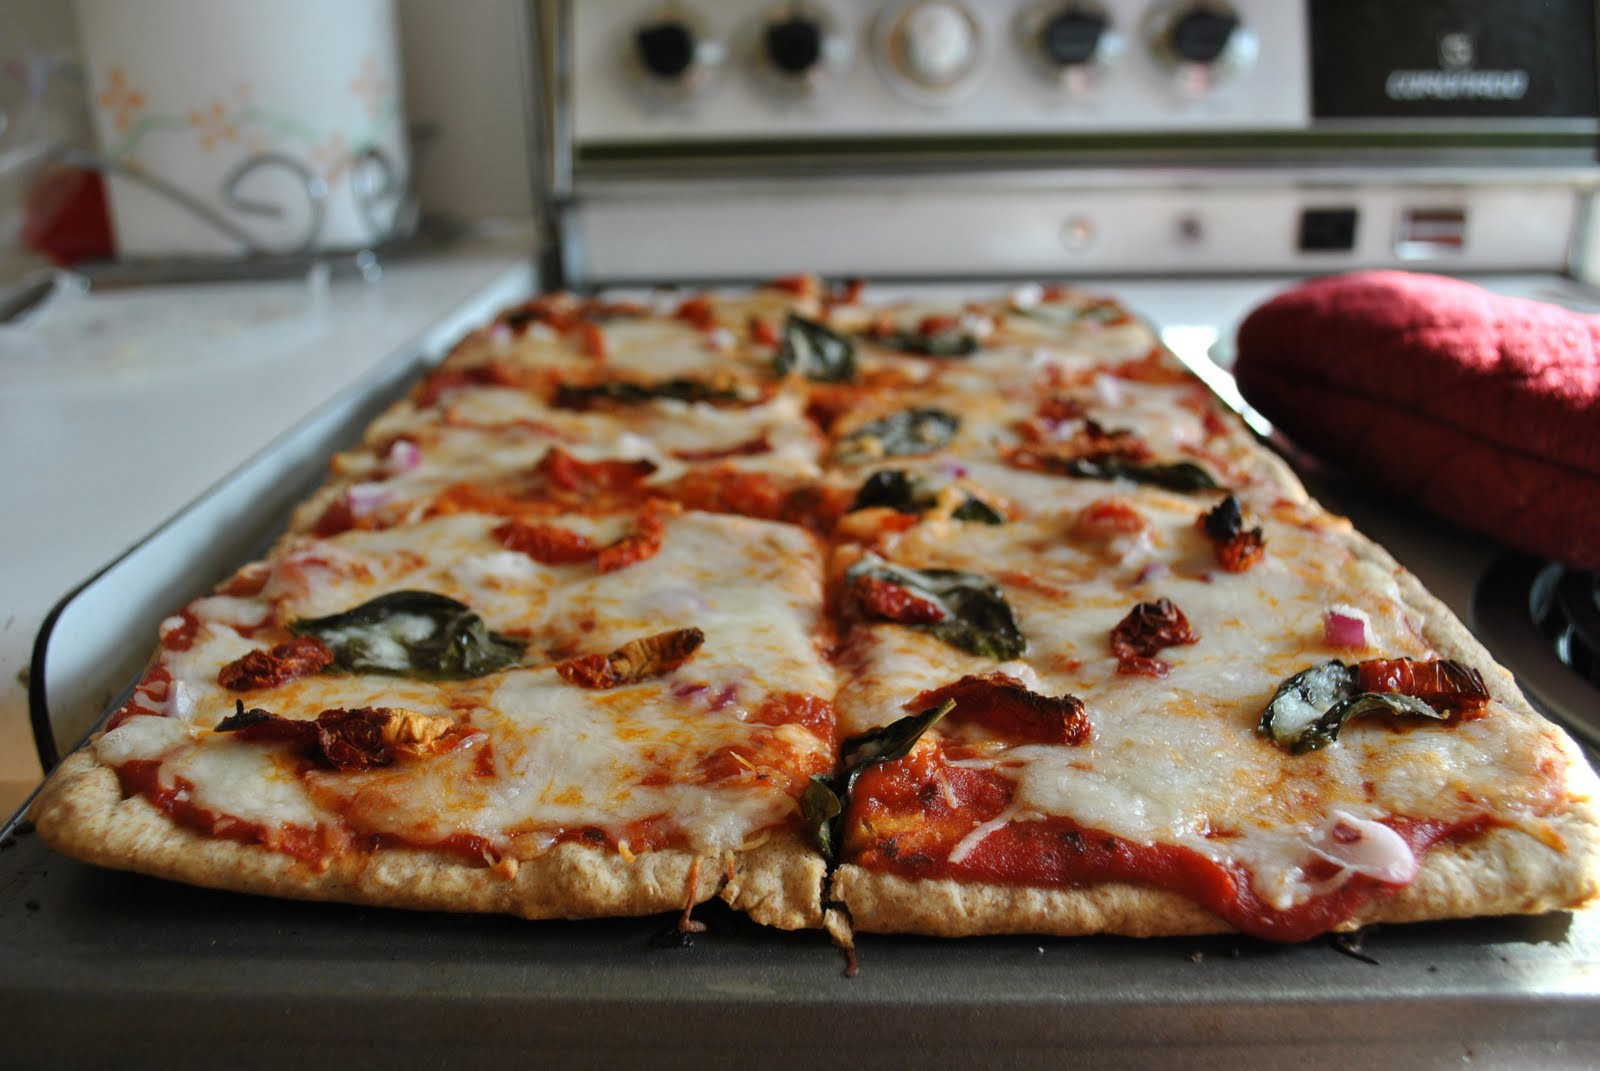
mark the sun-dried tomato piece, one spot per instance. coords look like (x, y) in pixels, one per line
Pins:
(763, 332)
(938, 325)
(1443, 683)
(763, 495)
(1154, 367)
(587, 671)
(263, 725)
(549, 544)
(846, 291)
(1237, 548)
(1005, 706)
(353, 739)
(566, 472)
(649, 656)
(345, 739)
(890, 602)
(1045, 453)
(591, 340)
(300, 657)
(338, 517)
(1148, 628)
(643, 543)
(1061, 408)
(442, 381)
(698, 311)
(600, 309)
(1106, 519)
(1242, 551)
(799, 285)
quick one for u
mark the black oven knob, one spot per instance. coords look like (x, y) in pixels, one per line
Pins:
(796, 50)
(669, 57)
(1071, 38)
(1071, 45)
(1204, 43)
(793, 45)
(1201, 35)
(665, 49)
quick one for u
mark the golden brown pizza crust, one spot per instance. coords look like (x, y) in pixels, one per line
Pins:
(82, 812)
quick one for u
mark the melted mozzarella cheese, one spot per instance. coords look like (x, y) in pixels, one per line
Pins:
(562, 757)
(1176, 760)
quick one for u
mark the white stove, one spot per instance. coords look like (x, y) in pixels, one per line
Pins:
(1193, 156)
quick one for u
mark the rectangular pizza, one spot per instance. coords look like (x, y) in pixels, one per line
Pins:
(941, 617)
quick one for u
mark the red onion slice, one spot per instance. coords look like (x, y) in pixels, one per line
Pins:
(365, 498)
(1361, 846)
(1346, 626)
(404, 456)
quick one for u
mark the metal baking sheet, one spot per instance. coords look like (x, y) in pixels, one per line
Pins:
(103, 966)
(98, 965)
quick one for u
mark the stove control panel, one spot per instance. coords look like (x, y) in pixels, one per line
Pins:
(797, 69)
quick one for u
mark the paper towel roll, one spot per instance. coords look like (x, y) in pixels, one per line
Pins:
(236, 103)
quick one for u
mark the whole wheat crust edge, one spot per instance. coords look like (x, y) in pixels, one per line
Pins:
(82, 812)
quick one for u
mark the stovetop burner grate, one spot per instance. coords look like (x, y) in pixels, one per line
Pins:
(1542, 621)
(1566, 606)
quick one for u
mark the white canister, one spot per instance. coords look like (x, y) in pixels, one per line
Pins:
(270, 115)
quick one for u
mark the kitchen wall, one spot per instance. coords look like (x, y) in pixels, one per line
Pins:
(466, 71)
(466, 76)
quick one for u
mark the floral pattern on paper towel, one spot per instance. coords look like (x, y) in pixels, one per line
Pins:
(121, 100)
(224, 122)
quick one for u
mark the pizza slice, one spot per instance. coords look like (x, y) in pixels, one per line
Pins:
(1137, 710)
(451, 715)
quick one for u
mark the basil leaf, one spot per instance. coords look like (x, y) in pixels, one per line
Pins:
(977, 511)
(1304, 698)
(821, 806)
(815, 352)
(892, 741)
(977, 618)
(1326, 728)
(945, 345)
(413, 633)
(825, 798)
(895, 489)
(1174, 475)
(1308, 710)
(921, 430)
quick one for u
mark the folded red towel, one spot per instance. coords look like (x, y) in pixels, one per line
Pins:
(1484, 409)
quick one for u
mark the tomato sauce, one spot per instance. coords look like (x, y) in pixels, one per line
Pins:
(153, 688)
(907, 817)
(143, 777)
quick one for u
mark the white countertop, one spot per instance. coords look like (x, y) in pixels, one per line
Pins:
(119, 408)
